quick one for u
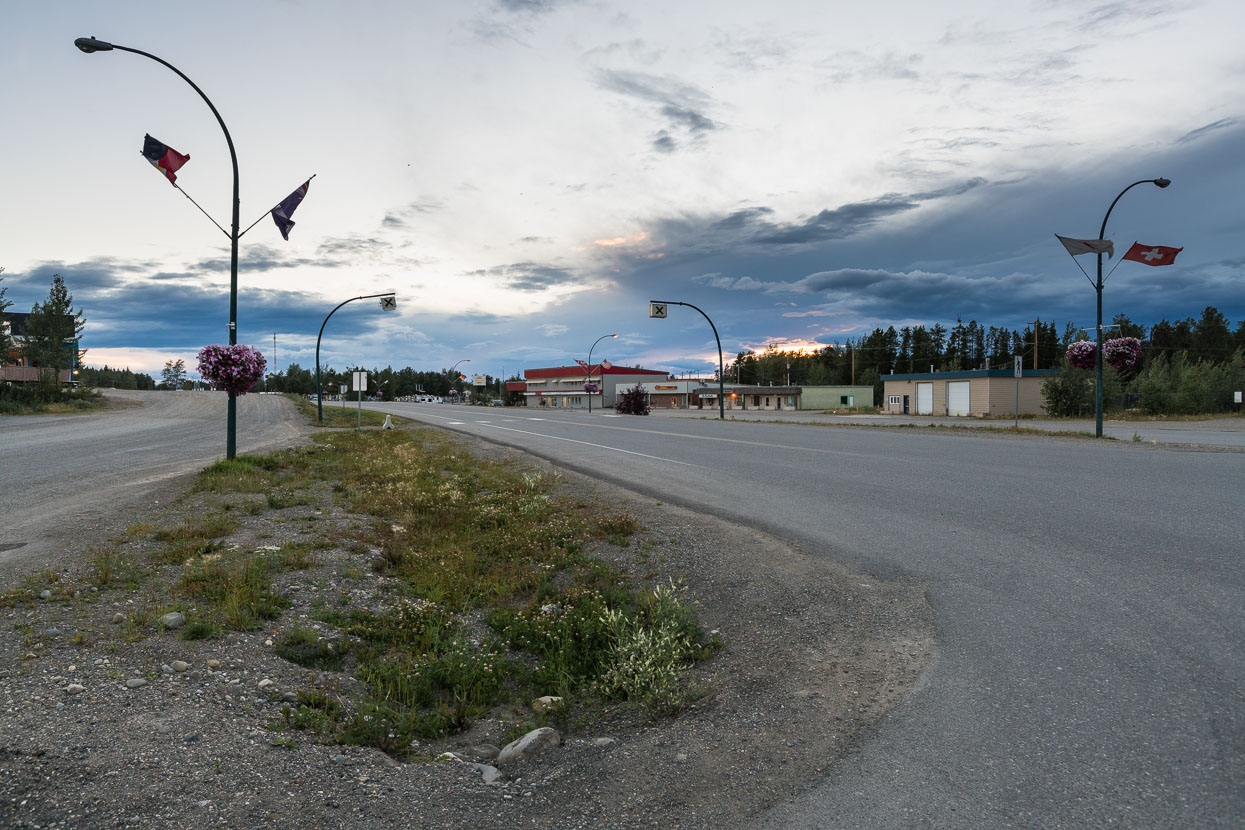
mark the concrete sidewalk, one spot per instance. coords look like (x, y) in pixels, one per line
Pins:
(1210, 432)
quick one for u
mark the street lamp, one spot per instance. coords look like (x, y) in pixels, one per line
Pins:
(590, 348)
(454, 376)
(388, 303)
(657, 308)
(90, 45)
(1098, 287)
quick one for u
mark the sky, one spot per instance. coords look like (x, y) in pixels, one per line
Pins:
(526, 175)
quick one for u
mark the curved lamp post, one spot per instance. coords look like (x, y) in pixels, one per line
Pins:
(90, 45)
(657, 308)
(590, 348)
(1098, 287)
(455, 377)
(319, 394)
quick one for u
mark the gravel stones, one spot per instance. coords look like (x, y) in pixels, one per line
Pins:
(532, 743)
(173, 620)
(179, 666)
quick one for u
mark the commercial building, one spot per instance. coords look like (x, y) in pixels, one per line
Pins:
(980, 393)
(569, 387)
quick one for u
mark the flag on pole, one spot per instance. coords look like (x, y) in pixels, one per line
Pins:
(1076, 247)
(1152, 254)
(281, 213)
(605, 364)
(583, 364)
(163, 157)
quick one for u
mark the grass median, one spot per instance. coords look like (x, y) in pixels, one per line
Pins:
(449, 588)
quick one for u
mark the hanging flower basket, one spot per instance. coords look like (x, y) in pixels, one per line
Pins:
(1083, 354)
(1122, 352)
(232, 369)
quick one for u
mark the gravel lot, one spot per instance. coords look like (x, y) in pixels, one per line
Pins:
(813, 657)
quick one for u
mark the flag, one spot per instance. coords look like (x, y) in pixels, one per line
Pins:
(462, 377)
(281, 213)
(1152, 254)
(1076, 247)
(605, 364)
(163, 157)
(583, 364)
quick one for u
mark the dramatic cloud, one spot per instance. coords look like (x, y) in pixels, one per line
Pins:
(680, 105)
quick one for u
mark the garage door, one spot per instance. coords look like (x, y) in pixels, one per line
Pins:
(957, 398)
(925, 399)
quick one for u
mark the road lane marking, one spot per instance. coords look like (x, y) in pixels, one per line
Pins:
(682, 435)
(724, 440)
(591, 444)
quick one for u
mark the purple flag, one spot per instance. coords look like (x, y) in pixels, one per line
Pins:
(281, 213)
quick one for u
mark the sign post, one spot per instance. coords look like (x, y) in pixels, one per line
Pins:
(1018, 372)
(360, 381)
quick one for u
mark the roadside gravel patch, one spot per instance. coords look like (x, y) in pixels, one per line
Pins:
(813, 656)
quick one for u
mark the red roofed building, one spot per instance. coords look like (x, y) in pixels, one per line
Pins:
(568, 387)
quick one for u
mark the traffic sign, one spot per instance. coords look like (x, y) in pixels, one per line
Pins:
(656, 309)
(389, 303)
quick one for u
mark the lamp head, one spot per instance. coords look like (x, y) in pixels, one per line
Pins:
(615, 336)
(1162, 182)
(90, 44)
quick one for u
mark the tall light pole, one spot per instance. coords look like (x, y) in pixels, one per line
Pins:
(454, 375)
(590, 348)
(90, 45)
(657, 308)
(1098, 286)
(386, 303)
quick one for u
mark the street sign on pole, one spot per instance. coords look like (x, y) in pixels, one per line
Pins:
(360, 383)
(656, 309)
(389, 303)
(1018, 373)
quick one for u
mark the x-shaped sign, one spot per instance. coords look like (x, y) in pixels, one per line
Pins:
(656, 309)
(389, 303)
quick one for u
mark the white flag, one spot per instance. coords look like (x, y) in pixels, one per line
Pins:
(1076, 247)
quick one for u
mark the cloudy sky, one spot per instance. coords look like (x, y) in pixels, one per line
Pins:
(527, 174)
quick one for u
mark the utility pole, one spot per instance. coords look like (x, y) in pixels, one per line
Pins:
(1035, 342)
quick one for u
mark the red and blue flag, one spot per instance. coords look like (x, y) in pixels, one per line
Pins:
(163, 157)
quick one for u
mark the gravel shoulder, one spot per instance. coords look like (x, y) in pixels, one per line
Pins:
(814, 656)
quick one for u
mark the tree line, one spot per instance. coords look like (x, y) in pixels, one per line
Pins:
(865, 360)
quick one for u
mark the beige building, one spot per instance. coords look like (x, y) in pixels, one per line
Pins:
(981, 393)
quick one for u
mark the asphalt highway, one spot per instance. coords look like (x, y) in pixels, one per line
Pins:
(1089, 596)
(70, 480)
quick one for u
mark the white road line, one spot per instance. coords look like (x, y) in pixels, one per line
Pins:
(822, 450)
(454, 423)
(536, 419)
(591, 444)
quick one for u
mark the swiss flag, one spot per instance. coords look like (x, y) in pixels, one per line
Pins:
(1152, 254)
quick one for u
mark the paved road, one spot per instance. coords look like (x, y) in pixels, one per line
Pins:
(70, 479)
(1090, 605)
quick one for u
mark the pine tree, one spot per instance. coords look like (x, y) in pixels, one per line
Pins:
(6, 342)
(53, 329)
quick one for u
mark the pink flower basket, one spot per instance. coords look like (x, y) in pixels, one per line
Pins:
(1083, 354)
(1122, 352)
(232, 369)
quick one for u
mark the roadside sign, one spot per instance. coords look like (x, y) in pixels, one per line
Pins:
(1020, 367)
(478, 380)
(360, 381)
(389, 303)
(656, 309)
